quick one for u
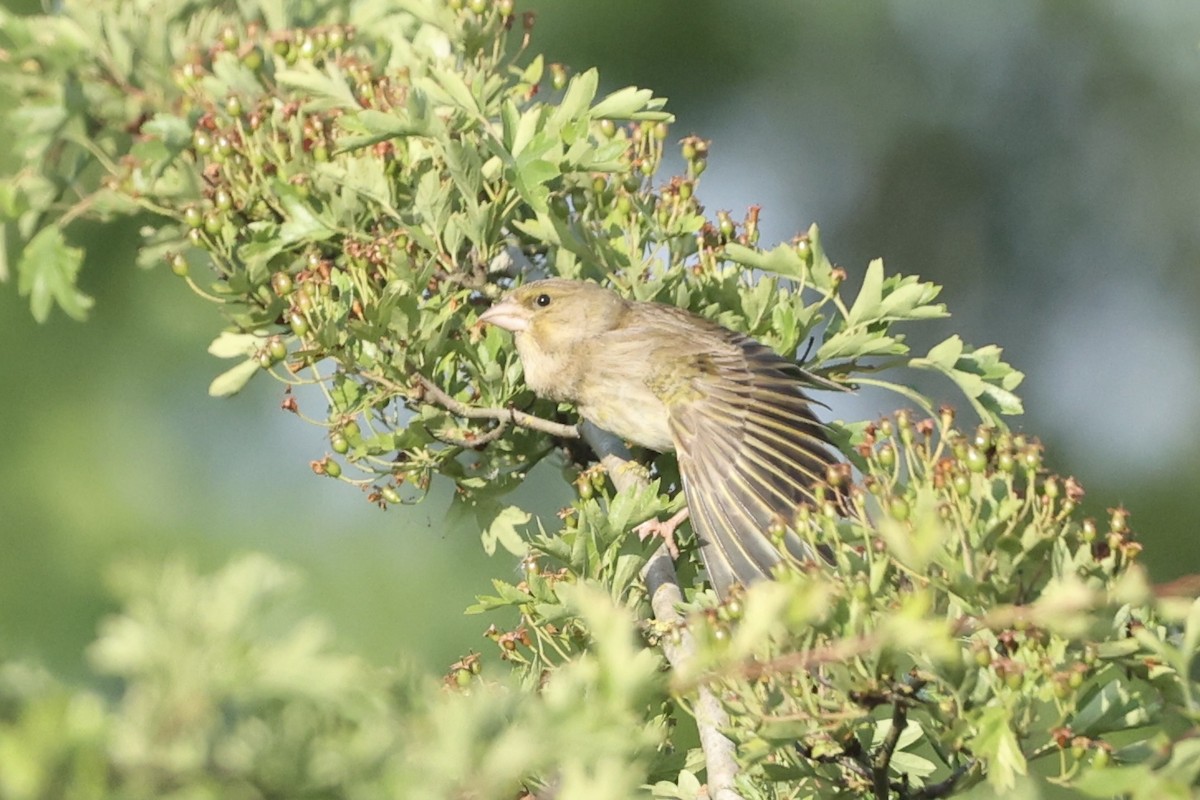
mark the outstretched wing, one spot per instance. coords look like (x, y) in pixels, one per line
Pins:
(750, 451)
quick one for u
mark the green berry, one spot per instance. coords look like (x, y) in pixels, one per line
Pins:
(179, 264)
(281, 283)
(298, 324)
(277, 349)
(213, 223)
(887, 456)
(252, 59)
(558, 76)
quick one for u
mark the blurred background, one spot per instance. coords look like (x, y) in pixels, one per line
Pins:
(1039, 158)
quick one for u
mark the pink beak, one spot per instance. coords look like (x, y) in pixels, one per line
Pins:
(507, 314)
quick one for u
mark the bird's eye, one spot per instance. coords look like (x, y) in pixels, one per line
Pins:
(542, 300)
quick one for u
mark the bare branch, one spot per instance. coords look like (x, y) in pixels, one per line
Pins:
(475, 440)
(944, 788)
(883, 758)
(850, 762)
(665, 597)
(430, 391)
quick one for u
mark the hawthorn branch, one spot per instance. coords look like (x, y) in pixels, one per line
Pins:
(849, 760)
(475, 440)
(945, 787)
(432, 391)
(883, 758)
(665, 596)
(428, 390)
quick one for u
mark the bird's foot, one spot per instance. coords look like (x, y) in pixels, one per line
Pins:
(664, 529)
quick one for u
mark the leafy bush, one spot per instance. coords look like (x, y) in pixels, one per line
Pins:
(352, 184)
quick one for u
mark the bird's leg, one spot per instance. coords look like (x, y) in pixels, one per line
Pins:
(666, 530)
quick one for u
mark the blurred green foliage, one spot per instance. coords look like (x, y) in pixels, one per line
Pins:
(350, 186)
(227, 694)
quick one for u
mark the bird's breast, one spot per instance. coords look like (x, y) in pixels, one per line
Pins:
(632, 413)
(620, 395)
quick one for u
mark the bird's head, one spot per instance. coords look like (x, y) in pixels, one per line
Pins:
(556, 313)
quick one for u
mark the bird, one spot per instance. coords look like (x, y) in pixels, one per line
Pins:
(749, 447)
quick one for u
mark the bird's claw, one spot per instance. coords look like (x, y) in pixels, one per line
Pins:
(665, 529)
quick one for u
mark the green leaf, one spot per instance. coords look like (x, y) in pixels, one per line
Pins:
(997, 743)
(983, 377)
(302, 223)
(232, 380)
(370, 126)
(174, 132)
(858, 342)
(528, 126)
(912, 766)
(623, 103)
(503, 530)
(867, 305)
(529, 179)
(1111, 707)
(782, 260)
(454, 90)
(46, 274)
(636, 502)
(1191, 632)
(464, 166)
(1174, 780)
(533, 73)
(329, 89)
(910, 298)
(229, 344)
(946, 354)
(579, 94)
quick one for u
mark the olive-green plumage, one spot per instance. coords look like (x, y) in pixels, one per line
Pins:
(749, 448)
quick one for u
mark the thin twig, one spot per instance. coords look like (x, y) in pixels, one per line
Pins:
(662, 584)
(475, 440)
(832, 653)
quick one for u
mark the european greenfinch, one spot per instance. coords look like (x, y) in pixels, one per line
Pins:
(749, 448)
